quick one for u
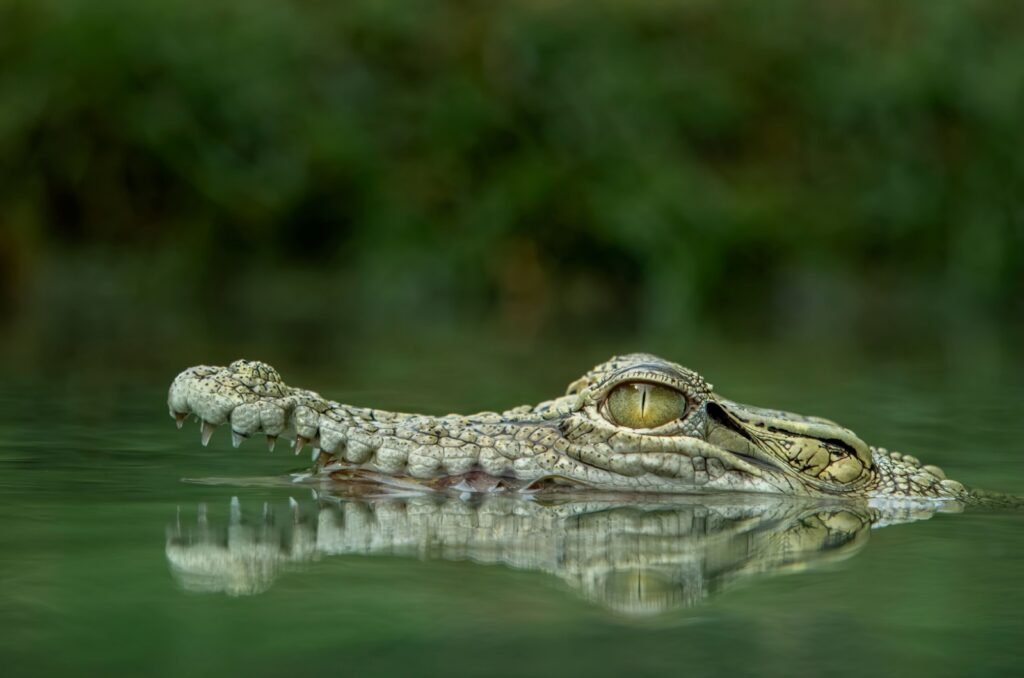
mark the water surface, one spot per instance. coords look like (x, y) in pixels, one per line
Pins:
(111, 562)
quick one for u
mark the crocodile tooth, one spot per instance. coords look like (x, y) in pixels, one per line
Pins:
(179, 418)
(299, 442)
(236, 511)
(237, 438)
(270, 442)
(207, 432)
(316, 453)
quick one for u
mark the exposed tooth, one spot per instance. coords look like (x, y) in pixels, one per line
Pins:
(316, 453)
(207, 432)
(236, 511)
(270, 442)
(299, 442)
(179, 418)
(237, 438)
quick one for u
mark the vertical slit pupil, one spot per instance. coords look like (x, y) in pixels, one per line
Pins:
(644, 390)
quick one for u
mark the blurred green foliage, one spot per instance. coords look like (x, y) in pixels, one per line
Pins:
(653, 162)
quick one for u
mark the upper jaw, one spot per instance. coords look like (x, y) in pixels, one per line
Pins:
(756, 445)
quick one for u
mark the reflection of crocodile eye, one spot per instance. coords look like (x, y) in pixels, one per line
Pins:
(642, 405)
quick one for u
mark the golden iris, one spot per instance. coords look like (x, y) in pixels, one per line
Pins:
(643, 405)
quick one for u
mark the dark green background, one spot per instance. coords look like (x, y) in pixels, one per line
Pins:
(794, 170)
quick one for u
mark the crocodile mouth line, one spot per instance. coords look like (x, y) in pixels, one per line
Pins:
(359, 481)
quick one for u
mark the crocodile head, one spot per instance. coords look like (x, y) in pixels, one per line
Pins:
(634, 423)
(650, 415)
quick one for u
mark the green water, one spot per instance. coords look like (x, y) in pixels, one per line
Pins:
(91, 473)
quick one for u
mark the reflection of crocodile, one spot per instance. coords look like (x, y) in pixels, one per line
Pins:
(634, 423)
(637, 559)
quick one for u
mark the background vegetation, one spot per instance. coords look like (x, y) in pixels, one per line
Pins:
(785, 168)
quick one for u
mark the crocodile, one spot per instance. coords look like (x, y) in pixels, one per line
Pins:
(635, 423)
(637, 558)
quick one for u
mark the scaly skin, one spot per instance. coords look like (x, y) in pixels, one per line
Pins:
(714, 445)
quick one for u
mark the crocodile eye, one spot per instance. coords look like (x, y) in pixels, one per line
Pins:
(642, 405)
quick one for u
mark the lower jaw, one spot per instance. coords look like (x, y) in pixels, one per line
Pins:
(359, 480)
